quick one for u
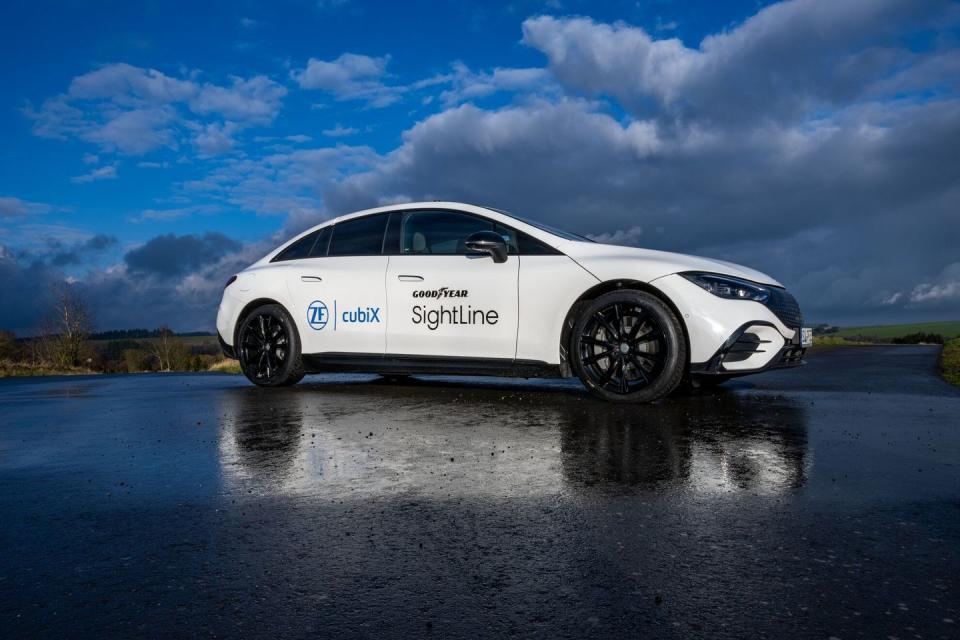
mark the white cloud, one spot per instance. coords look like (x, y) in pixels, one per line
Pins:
(340, 131)
(11, 207)
(350, 77)
(466, 85)
(298, 138)
(631, 237)
(177, 213)
(90, 158)
(108, 172)
(134, 111)
(281, 184)
(945, 288)
(126, 84)
(215, 138)
(135, 132)
(253, 101)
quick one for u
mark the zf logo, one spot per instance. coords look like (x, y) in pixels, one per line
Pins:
(318, 315)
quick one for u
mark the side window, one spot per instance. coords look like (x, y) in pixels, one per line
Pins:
(439, 232)
(359, 237)
(300, 249)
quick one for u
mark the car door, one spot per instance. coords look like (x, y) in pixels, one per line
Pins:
(444, 300)
(338, 293)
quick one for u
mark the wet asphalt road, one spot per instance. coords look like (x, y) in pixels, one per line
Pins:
(821, 502)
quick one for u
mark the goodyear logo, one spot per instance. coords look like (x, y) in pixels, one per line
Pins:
(318, 315)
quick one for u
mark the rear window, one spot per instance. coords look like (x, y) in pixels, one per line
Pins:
(312, 245)
(359, 237)
(299, 249)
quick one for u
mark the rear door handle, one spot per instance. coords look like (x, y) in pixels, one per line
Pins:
(311, 279)
(410, 278)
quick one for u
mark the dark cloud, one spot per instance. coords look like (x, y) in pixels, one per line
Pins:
(62, 256)
(22, 297)
(170, 255)
(124, 296)
(789, 58)
(816, 141)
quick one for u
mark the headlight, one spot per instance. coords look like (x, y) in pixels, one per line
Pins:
(729, 287)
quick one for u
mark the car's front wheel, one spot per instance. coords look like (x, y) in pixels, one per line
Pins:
(628, 346)
(268, 347)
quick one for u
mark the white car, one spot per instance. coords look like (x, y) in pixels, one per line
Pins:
(452, 288)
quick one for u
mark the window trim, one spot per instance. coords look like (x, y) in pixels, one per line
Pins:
(397, 227)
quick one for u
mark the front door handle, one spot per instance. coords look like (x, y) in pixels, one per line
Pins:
(311, 279)
(410, 278)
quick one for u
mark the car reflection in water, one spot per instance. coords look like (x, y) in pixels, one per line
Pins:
(352, 438)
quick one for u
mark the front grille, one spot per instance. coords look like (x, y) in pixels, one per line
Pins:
(785, 307)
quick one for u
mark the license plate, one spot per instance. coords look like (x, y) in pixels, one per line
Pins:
(806, 337)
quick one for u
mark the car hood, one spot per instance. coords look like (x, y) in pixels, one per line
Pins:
(611, 262)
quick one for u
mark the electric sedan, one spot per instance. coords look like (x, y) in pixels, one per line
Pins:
(451, 288)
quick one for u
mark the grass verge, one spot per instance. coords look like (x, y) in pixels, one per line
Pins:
(950, 362)
(24, 369)
(227, 365)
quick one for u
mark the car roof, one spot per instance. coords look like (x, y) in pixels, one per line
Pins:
(486, 212)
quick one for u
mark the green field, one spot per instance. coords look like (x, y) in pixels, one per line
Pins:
(947, 329)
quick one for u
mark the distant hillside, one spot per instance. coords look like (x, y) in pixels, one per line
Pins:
(947, 329)
(140, 334)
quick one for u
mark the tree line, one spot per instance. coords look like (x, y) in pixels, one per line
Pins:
(66, 343)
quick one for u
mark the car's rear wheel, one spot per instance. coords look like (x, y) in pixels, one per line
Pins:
(628, 346)
(268, 347)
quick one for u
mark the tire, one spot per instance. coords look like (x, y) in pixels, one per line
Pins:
(628, 346)
(268, 347)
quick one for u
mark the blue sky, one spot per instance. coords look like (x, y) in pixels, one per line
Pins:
(150, 149)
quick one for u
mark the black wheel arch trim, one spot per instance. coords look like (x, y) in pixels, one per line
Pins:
(252, 306)
(595, 292)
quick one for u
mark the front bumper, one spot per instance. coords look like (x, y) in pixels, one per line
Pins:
(748, 350)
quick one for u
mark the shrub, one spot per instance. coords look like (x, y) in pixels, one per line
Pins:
(919, 338)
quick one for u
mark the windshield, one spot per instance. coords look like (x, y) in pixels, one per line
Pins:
(566, 235)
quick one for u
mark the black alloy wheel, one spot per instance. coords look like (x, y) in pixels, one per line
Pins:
(628, 346)
(269, 347)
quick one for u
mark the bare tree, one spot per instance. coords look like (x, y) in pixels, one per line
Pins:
(167, 349)
(67, 327)
(9, 347)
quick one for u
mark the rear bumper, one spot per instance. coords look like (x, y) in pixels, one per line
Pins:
(752, 343)
(226, 348)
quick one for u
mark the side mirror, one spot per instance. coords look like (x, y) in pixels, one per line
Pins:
(488, 242)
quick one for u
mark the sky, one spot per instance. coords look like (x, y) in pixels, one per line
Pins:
(149, 150)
